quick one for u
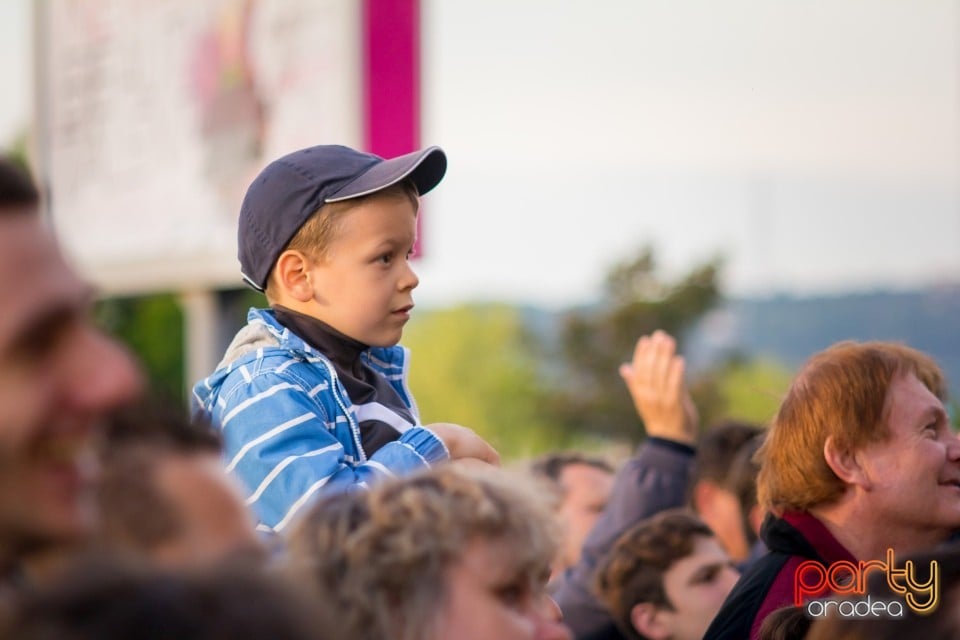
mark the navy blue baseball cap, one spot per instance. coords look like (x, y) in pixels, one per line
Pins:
(290, 189)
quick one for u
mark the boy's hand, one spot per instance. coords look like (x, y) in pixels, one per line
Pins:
(655, 381)
(464, 443)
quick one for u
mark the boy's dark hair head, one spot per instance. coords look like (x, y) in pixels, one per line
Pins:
(633, 570)
(291, 189)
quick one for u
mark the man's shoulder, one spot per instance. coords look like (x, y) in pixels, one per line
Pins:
(768, 583)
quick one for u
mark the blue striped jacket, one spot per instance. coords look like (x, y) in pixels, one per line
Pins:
(289, 429)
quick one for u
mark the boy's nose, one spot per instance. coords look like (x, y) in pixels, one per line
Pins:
(410, 280)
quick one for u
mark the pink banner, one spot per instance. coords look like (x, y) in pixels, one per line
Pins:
(391, 84)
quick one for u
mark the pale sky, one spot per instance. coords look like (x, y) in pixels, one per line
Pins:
(15, 63)
(815, 144)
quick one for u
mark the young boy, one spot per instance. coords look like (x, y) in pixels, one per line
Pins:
(312, 394)
(665, 578)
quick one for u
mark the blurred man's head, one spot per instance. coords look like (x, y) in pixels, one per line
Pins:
(714, 492)
(164, 495)
(743, 483)
(666, 577)
(108, 598)
(582, 486)
(59, 378)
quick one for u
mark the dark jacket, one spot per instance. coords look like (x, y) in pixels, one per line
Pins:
(653, 480)
(769, 582)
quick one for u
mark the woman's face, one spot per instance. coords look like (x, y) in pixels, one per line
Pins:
(488, 598)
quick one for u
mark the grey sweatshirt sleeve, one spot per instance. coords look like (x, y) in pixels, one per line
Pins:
(653, 480)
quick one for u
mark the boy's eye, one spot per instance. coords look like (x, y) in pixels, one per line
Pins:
(707, 575)
(385, 258)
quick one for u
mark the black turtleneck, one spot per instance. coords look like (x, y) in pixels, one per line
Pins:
(363, 384)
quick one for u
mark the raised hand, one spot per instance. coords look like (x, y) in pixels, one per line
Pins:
(655, 380)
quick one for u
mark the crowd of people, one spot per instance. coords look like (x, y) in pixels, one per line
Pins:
(302, 497)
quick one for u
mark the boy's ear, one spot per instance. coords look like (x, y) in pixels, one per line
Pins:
(846, 465)
(292, 275)
(645, 618)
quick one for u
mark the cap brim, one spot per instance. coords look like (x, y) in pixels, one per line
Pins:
(425, 168)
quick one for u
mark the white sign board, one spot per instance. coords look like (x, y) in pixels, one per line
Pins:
(154, 115)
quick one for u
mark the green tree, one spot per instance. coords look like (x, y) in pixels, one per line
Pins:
(152, 327)
(587, 392)
(18, 150)
(476, 365)
(747, 389)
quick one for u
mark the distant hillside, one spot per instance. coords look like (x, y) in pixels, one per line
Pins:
(790, 329)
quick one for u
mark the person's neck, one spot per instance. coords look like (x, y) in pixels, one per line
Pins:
(867, 537)
(292, 304)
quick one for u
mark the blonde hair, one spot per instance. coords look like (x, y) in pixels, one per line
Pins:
(380, 558)
(840, 393)
(316, 235)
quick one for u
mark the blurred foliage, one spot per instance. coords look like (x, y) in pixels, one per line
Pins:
(476, 366)
(746, 390)
(17, 153)
(494, 368)
(527, 380)
(588, 394)
(152, 327)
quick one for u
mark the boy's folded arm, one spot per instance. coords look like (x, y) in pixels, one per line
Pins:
(419, 442)
(463, 443)
(282, 446)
